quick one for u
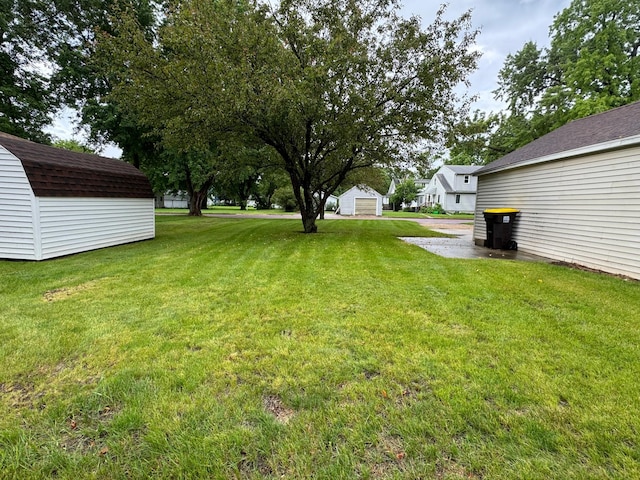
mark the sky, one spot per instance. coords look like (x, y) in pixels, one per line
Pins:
(505, 26)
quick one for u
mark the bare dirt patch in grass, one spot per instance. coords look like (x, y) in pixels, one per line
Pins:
(85, 433)
(248, 466)
(31, 390)
(450, 468)
(65, 292)
(20, 393)
(274, 406)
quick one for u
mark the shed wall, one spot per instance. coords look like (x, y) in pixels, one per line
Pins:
(584, 210)
(347, 201)
(17, 235)
(72, 225)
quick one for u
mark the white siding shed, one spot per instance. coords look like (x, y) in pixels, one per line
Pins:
(360, 200)
(578, 192)
(55, 202)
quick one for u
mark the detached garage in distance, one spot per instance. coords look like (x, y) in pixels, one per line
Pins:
(577, 190)
(360, 200)
(55, 202)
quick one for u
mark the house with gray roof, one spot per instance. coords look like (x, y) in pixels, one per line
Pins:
(55, 202)
(578, 192)
(453, 187)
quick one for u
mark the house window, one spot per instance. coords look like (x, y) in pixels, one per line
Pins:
(466, 180)
(457, 198)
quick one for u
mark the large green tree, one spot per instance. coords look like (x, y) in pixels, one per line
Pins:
(592, 65)
(26, 99)
(332, 86)
(244, 172)
(73, 145)
(45, 47)
(405, 193)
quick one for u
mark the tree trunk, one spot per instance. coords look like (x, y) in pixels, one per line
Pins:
(195, 204)
(309, 223)
(308, 209)
(197, 196)
(322, 202)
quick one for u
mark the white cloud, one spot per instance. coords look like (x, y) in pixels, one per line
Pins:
(505, 26)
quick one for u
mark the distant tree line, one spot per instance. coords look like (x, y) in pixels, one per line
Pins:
(591, 65)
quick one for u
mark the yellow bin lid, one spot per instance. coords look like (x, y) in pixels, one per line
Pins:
(501, 210)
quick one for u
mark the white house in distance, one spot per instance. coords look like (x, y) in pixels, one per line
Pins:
(578, 192)
(55, 202)
(454, 188)
(360, 200)
(420, 183)
(173, 200)
(332, 202)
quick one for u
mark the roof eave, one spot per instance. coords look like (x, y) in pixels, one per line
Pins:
(576, 152)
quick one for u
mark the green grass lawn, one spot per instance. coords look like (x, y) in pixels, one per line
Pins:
(241, 348)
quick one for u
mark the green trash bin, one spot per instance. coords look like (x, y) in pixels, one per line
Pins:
(499, 227)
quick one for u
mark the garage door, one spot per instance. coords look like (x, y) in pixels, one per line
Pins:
(366, 206)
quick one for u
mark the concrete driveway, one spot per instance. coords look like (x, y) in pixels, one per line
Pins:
(461, 244)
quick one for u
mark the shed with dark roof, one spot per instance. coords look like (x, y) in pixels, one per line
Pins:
(55, 202)
(578, 192)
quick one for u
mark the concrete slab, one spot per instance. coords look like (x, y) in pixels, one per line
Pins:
(461, 245)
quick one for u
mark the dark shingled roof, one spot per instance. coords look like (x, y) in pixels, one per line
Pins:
(615, 124)
(445, 184)
(54, 172)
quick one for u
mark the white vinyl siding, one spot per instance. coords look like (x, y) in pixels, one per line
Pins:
(467, 202)
(583, 210)
(72, 225)
(17, 235)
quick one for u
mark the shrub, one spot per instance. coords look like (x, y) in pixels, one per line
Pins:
(437, 208)
(285, 199)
